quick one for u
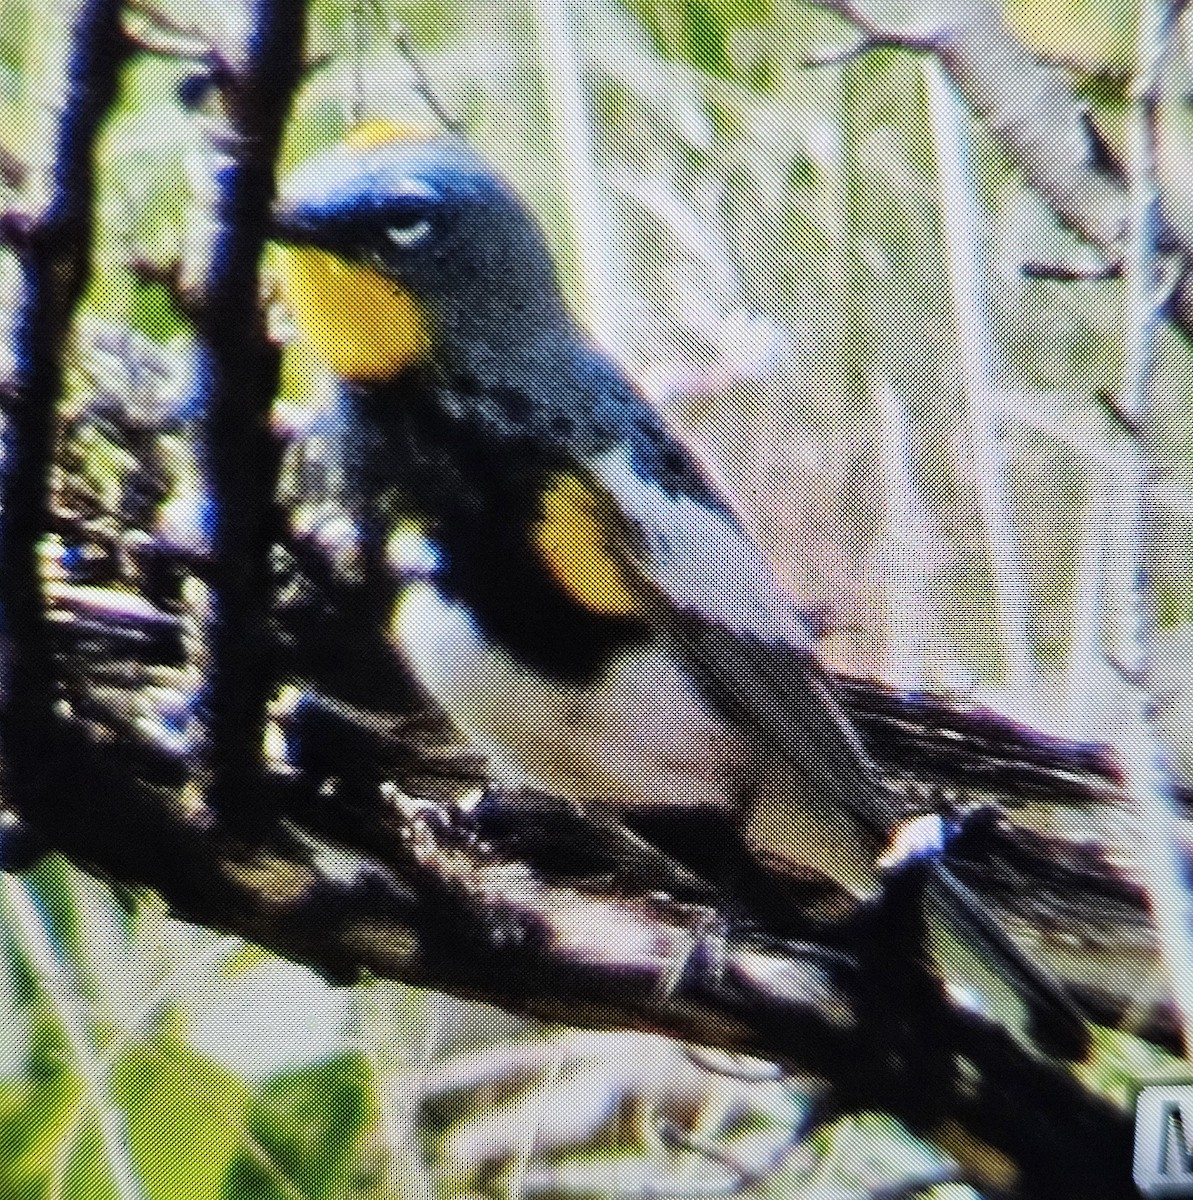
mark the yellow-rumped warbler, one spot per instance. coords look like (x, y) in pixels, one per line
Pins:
(585, 605)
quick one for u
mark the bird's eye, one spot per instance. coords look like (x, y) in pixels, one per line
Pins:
(408, 235)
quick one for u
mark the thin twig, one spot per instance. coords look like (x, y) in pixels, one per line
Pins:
(743, 1070)
(977, 371)
(149, 40)
(743, 1176)
(53, 249)
(1146, 774)
(155, 15)
(839, 56)
(1032, 109)
(1070, 272)
(422, 81)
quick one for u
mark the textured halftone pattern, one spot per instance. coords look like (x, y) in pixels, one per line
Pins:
(864, 303)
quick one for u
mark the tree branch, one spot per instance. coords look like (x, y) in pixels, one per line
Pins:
(1147, 775)
(1033, 112)
(384, 885)
(339, 867)
(52, 244)
(234, 386)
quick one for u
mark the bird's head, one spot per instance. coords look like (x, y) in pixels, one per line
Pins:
(399, 250)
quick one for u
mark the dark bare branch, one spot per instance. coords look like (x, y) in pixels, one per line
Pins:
(235, 386)
(52, 244)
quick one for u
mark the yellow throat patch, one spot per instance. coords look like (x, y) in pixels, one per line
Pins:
(573, 536)
(361, 323)
(364, 325)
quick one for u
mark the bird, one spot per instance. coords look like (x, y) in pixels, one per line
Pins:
(569, 582)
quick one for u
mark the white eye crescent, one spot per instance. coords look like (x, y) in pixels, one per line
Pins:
(408, 235)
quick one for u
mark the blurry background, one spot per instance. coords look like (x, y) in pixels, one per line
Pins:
(828, 274)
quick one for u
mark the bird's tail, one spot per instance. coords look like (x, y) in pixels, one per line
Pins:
(982, 967)
(1072, 908)
(1044, 860)
(848, 775)
(961, 940)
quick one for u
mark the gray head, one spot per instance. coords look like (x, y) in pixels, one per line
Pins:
(429, 222)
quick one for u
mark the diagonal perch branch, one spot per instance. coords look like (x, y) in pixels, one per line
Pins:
(420, 895)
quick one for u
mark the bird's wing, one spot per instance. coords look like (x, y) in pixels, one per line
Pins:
(745, 638)
(714, 592)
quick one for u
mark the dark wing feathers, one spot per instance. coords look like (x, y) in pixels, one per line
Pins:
(784, 694)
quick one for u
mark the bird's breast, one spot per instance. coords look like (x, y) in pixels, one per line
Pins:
(638, 734)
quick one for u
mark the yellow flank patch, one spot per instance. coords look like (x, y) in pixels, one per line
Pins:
(363, 324)
(987, 1164)
(368, 135)
(573, 539)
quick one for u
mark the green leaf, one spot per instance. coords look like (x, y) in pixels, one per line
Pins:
(700, 32)
(184, 1113)
(152, 311)
(310, 1135)
(38, 1113)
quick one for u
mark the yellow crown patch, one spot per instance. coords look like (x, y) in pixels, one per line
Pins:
(381, 131)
